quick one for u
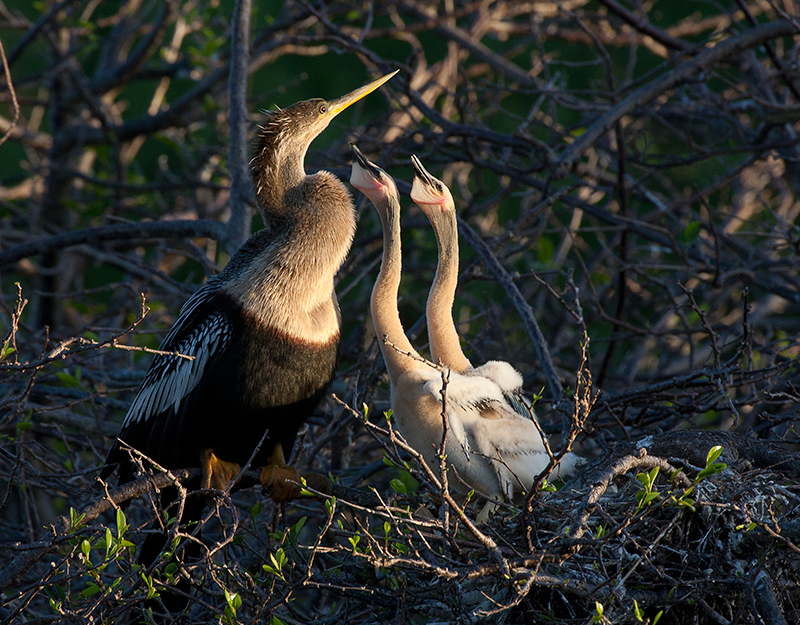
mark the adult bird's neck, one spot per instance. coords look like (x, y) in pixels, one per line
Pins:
(385, 315)
(442, 334)
(277, 169)
(311, 223)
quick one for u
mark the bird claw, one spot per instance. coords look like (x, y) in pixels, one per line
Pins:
(216, 473)
(283, 483)
(319, 483)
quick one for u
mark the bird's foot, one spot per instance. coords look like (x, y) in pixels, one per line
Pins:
(283, 483)
(216, 473)
(319, 483)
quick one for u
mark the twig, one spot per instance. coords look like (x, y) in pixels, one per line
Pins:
(703, 61)
(61, 350)
(102, 234)
(11, 90)
(238, 228)
(523, 308)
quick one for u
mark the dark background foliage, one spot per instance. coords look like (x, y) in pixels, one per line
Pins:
(632, 170)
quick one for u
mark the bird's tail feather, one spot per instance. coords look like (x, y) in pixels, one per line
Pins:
(156, 542)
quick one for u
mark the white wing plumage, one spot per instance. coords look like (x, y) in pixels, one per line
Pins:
(508, 379)
(171, 378)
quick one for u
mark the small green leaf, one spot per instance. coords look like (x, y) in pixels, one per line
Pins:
(330, 505)
(690, 233)
(297, 528)
(638, 612)
(86, 547)
(713, 453)
(715, 468)
(91, 589)
(122, 523)
(598, 612)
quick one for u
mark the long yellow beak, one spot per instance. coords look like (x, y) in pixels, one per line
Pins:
(337, 106)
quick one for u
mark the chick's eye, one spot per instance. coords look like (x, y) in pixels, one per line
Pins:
(322, 108)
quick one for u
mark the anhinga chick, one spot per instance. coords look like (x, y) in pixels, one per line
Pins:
(490, 446)
(263, 334)
(436, 201)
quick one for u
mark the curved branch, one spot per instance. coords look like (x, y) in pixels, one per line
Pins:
(524, 309)
(121, 73)
(144, 230)
(702, 62)
(62, 527)
(241, 216)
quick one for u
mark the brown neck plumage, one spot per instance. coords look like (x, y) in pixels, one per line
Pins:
(277, 164)
(385, 315)
(442, 334)
(289, 285)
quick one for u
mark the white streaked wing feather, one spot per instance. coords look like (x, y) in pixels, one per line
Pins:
(171, 378)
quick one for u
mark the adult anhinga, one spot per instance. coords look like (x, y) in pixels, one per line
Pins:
(491, 447)
(263, 334)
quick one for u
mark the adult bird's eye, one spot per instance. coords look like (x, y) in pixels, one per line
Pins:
(322, 108)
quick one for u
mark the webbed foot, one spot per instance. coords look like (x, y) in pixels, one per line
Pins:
(216, 473)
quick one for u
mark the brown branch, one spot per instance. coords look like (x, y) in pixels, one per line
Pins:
(144, 230)
(523, 308)
(645, 27)
(13, 93)
(702, 62)
(239, 224)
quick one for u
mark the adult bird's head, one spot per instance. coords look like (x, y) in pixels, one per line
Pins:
(430, 193)
(373, 182)
(284, 138)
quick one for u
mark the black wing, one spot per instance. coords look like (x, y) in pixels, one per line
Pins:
(203, 333)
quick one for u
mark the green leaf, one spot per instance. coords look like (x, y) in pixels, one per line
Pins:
(86, 547)
(598, 615)
(690, 233)
(91, 589)
(75, 520)
(398, 486)
(638, 612)
(297, 528)
(713, 453)
(68, 380)
(330, 505)
(170, 571)
(122, 523)
(715, 468)
(109, 542)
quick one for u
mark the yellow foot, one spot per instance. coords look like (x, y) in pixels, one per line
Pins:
(216, 473)
(277, 481)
